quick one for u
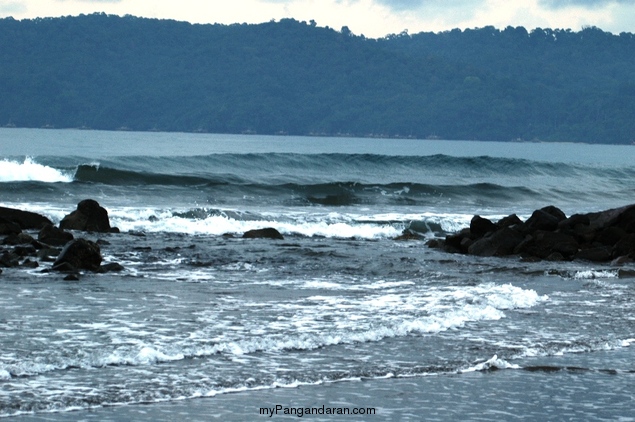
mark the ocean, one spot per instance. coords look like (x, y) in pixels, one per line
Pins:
(338, 321)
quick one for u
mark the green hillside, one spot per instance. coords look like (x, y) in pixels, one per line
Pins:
(109, 72)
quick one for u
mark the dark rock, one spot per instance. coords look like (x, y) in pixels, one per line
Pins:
(72, 277)
(544, 219)
(267, 233)
(480, 226)
(625, 246)
(524, 245)
(9, 260)
(18, 239)
(595, 254)
(64, 267)
(27, 263)
(555, 212)
(509, 221)
(466, 242)
(555, 256)
(453, 242)
(25, 219)
(543, 243)
(111, 267)
(408, 235)
(626, 220)
(610, 235)
(500, 243)
(38, 245)
(557, 242)
(25, 250)
(81, 254)
(48, 254)
(54, 236)
(615, 216)
(583, 233)
(435, 243)
(89, 216)
(9, 227)
(574, 220)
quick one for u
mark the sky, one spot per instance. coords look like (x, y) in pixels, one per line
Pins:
(372, 18)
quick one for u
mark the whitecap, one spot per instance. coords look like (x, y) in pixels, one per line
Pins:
(593, 274)
(493, 363)
(28, 170)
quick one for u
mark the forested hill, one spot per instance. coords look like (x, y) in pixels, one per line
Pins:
(109, 72)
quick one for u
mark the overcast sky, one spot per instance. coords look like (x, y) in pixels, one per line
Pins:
(372, 18)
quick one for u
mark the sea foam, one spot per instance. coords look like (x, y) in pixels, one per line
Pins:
(309, 223)
(28, 170)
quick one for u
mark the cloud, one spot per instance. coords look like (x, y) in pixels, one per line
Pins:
(11, 7)
(411, 5)
(402, 4)
(591, 4)
(91, 1)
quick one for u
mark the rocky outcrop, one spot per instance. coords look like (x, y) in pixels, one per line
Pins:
(9, 227)
(267, 233)
(25, 220)
(79, 254)
(19, 249)
(548, 234)
(54, 236)
(89, 216)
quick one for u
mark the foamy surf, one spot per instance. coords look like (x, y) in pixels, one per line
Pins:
(29, 170)
(493, 363)
(276, 328)
(310, 222)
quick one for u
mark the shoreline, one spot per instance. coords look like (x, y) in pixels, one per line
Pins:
(483, 395)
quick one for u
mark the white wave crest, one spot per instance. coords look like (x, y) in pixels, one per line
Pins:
(593, 274)
(332, 226)
(310, 224)
(28, 170)
(493, 363)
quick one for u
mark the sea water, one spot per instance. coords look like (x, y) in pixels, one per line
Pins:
(339, 315)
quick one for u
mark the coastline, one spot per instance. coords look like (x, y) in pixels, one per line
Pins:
(557, 392)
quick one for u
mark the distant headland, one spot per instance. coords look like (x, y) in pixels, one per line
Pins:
(294, 78)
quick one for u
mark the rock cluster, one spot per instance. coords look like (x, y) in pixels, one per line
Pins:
(57, 245)
(548, 234)
(21, 249)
